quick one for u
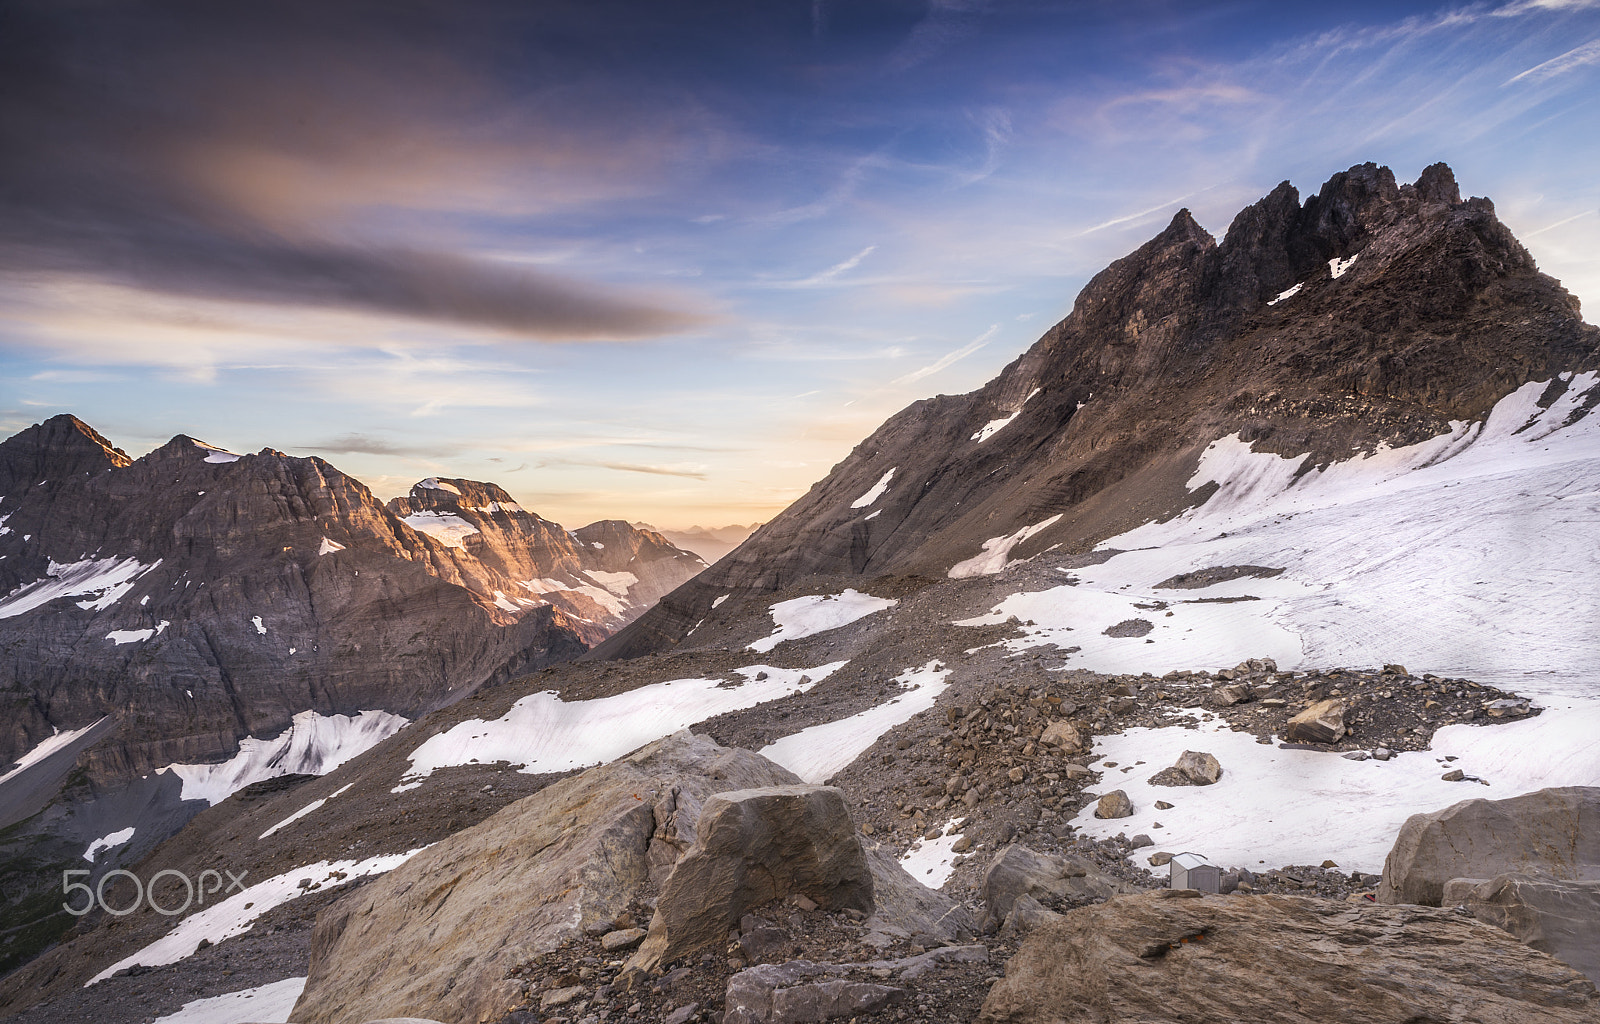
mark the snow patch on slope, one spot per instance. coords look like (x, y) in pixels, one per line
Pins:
(875, 491)
(433, 483)
(1287, 293)
(307, 809)
(328, 547)
(542, 733)
(58, 740)
(997, 551)
(616, 582)
(314, 744)
(932, 861)
(234, 915)
(106, 578)
(108, 842)
(1299, 806)
(128, 636)
(264, 1004)
(446, 528)
(818, 613)
(818, 753)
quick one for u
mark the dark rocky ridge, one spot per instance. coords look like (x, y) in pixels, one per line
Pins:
(1441, 314)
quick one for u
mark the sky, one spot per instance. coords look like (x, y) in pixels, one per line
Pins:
(671, 262)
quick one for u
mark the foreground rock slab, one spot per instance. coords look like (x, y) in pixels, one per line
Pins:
(1159, 959)
(439, 935)
(1553, 832)
(1559, 918)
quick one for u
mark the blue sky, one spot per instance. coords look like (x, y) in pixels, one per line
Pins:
(670, 262)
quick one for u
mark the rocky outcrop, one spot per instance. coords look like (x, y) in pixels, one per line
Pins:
(1048, 881)
(1411, 308)
(1553, 833)
(1556, 917)
(801, 991)
(1290, 960)
(753, 846)
(440, 935)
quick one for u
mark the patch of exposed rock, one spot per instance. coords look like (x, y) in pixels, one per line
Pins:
(1289, 960)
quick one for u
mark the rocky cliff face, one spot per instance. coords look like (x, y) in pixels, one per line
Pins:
(1374, 313)
(197, 597)
(606, 573)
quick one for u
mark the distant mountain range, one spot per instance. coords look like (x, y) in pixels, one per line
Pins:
(709, 542)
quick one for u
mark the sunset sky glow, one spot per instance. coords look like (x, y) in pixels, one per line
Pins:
(670, 262)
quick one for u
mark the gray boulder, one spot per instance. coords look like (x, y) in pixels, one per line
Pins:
(754, 846)
(1161, 958)
(1559, 918)
(800, 992)
(1553, 833)
(905, 907)
(440, 934)
(1019, 878)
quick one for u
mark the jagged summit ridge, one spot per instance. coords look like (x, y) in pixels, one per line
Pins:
(1373, 314)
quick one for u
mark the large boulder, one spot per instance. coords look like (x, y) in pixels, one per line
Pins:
(1158, 958)
(1322, 722)
(1559, 918)
(439, 935)
(752, 847)
(1017, 873)
(801, 991)
(904, 908)
(1553, 833)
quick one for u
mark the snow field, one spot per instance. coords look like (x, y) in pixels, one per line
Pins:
(542, 733)
(1275, 807)
(818, 613)
(108, 579)
(264, 1004)
(314, 744)
(1473, 554)
(817, 753)
(234, 915)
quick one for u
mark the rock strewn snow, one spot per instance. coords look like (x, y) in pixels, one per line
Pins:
(542, 733)
(314, 744)
(1300, 806)
(818, 613)
(817, 753)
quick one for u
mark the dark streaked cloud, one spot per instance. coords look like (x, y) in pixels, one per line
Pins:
(367, 444)
(249, 153)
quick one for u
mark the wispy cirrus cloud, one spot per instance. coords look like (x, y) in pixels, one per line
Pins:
(949, 359)
(1578, 57)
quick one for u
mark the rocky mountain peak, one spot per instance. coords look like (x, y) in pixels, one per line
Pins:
(60, 447)
(454, 494)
